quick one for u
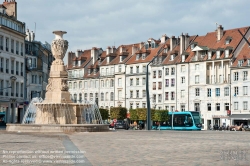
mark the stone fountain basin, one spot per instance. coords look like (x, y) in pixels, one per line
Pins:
(57, 127)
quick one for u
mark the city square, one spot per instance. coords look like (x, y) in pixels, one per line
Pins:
(132, 147)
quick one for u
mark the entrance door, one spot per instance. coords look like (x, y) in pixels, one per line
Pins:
(208, 124)
(197, 107)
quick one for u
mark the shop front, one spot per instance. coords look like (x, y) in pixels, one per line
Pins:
(221, 120)
(238, 119)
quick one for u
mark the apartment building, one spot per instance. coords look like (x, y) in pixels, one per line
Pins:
(187, 73)
(12, 34)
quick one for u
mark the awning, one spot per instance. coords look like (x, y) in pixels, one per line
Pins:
(240, 116)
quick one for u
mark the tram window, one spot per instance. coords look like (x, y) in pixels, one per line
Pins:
(179, 120)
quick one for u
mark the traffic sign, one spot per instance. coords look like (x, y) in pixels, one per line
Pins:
(115, 120)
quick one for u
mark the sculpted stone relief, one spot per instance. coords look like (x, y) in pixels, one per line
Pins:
(59, 48)
(59, 84)
(64, 85)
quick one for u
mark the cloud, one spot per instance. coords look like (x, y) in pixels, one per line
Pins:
(98, 23)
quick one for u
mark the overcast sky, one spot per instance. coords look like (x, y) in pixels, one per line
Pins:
(102, 23)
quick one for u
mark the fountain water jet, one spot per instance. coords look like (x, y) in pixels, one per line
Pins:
(57, 113)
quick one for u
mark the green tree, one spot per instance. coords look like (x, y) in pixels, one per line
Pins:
(104, 113)
(133, 114)
(119, 113)
(141, 113)
(161, 115)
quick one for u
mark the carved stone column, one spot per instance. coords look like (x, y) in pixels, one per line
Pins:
(57, 88)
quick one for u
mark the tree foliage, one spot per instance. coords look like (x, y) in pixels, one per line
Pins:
(133, 114)
(161, 115)
(104, 113)
(141, 113)
(119, 113)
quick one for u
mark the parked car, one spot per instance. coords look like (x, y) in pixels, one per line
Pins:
(121, 124)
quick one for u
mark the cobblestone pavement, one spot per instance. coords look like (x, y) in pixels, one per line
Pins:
(121, 147)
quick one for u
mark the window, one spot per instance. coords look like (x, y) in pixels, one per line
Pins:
(7, 65)
(217, 54)
(137, 81)
(144, 69)
(182, 93)
(236, 91)
(183, 68)
(17, 47)
(144, 93)
(172, 82)
(217, 92)
(131, 70)
(131, 94)
(143, 81)
(217, 106)
(80, 84)
(7, 44)
(154, 74)
(12, 46)
(112, 96)
(166, 95)
(102, 96)
(137, 69)
(159, 85)
(226, 91)
(197, 67)
(182, 80)
(1, 42)
(137, 93)
(226, 106)
(245, 89)
(119, 95)
(137, 56)
(143, 56)
(240, 62)
(111, 83)
(209, 55)
(131, 82)
(209, 106)
(119, 82)
(143, 105)
(245, 75)
(236, 76)
(226, 53)
(167, 83)
(70, 85)
(131, 105)
(167, 71)
(34, 79)
(245, 105)
(74, 85)
(183, 108)
(17, 67)
(159, 73)
(172, 71)
(208, 92)
(119, 68)
(159, 98)
(172, 95)
(197, 92)
(154, 85)
(196, 79)
(137, 105)
(235, 105)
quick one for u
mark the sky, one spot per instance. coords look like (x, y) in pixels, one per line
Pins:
(103, 23)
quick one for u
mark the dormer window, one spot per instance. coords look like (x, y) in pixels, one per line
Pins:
(240, 63)
(89, 71)
(218, 54)
(152, 44)
(165, 50)
(193, 45)
(143, 56)
(228, 40)
(172, 57)
(120, 58)
(226, 53)
(94, 71)
(248, 62)
(79, 62)
(146, 46)
(137, 56)
(209, 55)
(183, 58)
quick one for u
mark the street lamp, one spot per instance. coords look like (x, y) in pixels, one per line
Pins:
(147, 92)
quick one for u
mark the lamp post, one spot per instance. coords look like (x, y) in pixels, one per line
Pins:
(147, 92)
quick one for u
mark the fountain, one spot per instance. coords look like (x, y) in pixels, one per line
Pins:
(57, 113)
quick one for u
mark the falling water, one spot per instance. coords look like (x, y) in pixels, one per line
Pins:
(88, 113)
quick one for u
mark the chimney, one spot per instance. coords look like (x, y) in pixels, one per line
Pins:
(182, 43)
(27, 35)
(94, 54)
(113, 49)
(11, 8)
(172, 42)
(141, 45)
(78, 52)
(163, 38)
(186, 41)
(219, 32)
(108, 50)
(32, 36)
(134, 49)
(71, 56)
